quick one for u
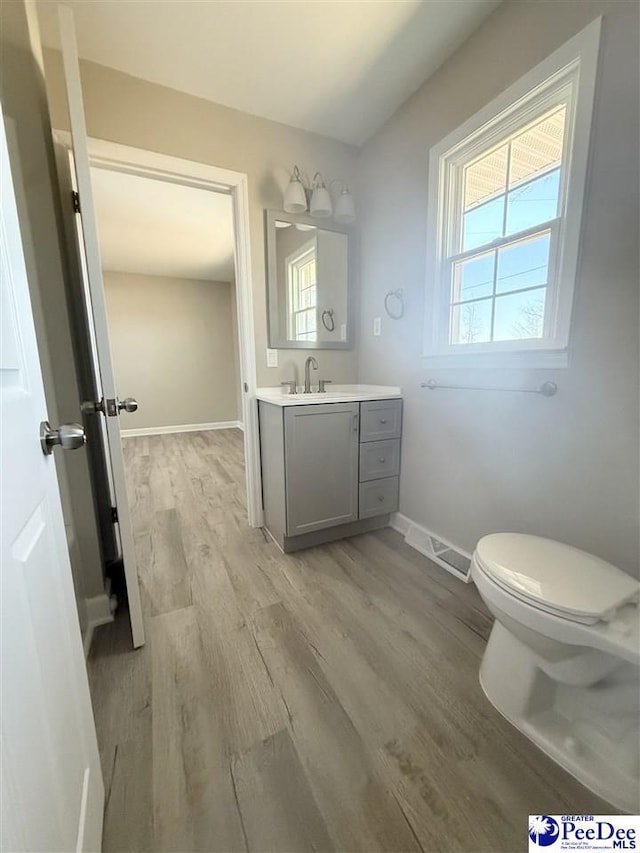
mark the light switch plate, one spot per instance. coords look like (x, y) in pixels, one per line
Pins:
(377, 326)
(272, 357)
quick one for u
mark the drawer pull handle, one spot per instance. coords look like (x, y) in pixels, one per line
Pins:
(381, 498)
(383, 420)
(382, 459)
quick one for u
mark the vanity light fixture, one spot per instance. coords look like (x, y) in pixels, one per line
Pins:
(320, 204)
(345, 211)
(316, 198)
(295, 197)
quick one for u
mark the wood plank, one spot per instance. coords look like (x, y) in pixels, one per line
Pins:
(361, 813)
(194, 802)
(247, 704)
(120, 684)
(279, 811)
(164, 576)
(128, 823)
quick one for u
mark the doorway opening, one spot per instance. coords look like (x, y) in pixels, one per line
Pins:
(168, 265)
(201, 258)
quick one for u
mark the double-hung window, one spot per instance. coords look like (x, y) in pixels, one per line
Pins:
(303, 293)
(506, 194)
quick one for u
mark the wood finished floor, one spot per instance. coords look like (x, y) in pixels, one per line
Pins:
(326, 700)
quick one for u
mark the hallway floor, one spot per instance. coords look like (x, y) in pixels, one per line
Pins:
(326, 700)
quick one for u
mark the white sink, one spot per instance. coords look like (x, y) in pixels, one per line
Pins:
(280, 395)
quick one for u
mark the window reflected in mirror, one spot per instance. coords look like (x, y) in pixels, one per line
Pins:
(308, 284)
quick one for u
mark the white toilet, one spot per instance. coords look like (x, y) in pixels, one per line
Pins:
(562, 662)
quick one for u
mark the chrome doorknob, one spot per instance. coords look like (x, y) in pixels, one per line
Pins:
(129, 404)
(67, 436)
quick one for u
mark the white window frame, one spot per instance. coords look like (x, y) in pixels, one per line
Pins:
(570, 70)
(293, 262)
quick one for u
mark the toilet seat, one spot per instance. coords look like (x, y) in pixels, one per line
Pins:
(555, 578)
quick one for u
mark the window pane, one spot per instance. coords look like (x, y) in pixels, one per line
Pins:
(533, 203)
(519, 315)
(523, 264)
(306, 325)
(483, 224)
(307, 297)
(485, 178)
(473, 278)
(308, 273)
(471, 322)
(539, 148)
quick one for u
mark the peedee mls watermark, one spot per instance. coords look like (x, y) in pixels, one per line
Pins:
(584, 832)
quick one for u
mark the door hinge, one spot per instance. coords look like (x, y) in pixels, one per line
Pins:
(76, 201)
(114, 514)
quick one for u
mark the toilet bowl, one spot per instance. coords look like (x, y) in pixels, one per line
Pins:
(563, 660)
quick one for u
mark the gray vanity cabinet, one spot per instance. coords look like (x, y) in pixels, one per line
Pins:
(321, 473)
(329, 470)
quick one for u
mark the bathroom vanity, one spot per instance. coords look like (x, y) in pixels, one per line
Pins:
(330, 462)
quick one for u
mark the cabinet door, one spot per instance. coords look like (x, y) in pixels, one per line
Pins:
(321, 466)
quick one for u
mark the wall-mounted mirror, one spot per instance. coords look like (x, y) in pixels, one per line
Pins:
(308, 283)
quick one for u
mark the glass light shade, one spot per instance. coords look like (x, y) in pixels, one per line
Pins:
(295, 199)
(345, 209)
(320, 199)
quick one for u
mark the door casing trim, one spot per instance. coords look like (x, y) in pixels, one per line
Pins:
(150, 164)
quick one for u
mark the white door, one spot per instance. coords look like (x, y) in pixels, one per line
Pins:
(52, 792)
(98, 308)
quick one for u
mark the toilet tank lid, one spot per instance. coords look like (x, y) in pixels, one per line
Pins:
(549, 573)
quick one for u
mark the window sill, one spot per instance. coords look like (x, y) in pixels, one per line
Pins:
(527, 359)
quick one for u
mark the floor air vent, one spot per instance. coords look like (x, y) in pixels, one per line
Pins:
(442, 553)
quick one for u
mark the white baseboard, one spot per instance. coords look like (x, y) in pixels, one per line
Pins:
(99, 612)
(166, 430)
(447, 555)
(400, 522)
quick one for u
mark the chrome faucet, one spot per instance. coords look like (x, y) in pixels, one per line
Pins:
(309, 363)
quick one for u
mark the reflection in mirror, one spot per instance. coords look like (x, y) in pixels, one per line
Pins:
(308, 284)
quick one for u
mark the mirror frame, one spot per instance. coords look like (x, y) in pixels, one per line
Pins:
(275, 341)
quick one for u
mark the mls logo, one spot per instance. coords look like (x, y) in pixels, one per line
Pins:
(543, 830)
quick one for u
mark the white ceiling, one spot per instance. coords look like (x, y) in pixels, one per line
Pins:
(335, 67)
(158, 228)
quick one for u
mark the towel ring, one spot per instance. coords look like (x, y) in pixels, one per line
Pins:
(398, 294)
(327, 320)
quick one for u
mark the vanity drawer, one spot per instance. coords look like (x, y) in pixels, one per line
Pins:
(380, 419)
(378, 497)
(379, 459)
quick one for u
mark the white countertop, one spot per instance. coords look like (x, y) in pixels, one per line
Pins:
(280, 395)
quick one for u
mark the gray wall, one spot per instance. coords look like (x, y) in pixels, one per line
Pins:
(35, 180)
(173, 349)
(131, 111)
(474, 463)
